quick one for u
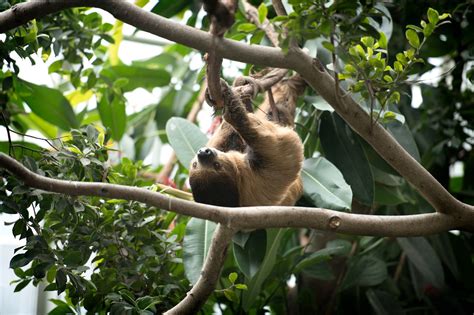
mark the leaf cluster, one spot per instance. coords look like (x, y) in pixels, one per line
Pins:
(106, 255)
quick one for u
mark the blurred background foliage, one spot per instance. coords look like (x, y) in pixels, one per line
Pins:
(414, 77)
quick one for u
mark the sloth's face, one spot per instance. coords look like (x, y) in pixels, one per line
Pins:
(213, 178)
(211, 162)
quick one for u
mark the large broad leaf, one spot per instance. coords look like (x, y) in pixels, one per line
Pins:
(325, 185)
(185, 138)
(389, 195)
(423, 257)
(47, 103)
(197, 240)
(169, 8)
(20, 148)
(249, 257)
(343, 149)
(365, 271)
(113, 116)
(274, 240)
(383, 303)
(403, 135)
(137, 77)
(443, 247)
(340, 248)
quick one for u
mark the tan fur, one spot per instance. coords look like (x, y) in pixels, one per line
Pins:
(260, 164)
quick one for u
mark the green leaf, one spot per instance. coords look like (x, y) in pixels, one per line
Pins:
(113, 115)
(232, 277)
(262, 12)
(342, 148)
(196, 242)
(389, 195)
(138, 77)
(231, 295)
(412, 38)
(170, 8)
(241, 286)
(382, 40)
(318, 257)
(384, 303)
(324, 185)
(328, 46)
(404, 137)
(47, 103)
(251, 256)
(185, 138)
(364, 271)
(246, 27)
(21, 260)
(433, 16)
(20, 286)
(274, 240)
(420, 252)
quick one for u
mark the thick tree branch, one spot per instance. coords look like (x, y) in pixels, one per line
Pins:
(256, 217)
(210, 273)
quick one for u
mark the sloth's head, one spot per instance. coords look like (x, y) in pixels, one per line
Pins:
(213, 178)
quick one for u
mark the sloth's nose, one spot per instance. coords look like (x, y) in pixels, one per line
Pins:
(205, 154)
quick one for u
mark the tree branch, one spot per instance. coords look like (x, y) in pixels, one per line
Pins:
(210, 273)
(255, 217)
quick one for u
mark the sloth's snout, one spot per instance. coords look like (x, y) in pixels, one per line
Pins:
(206, 155)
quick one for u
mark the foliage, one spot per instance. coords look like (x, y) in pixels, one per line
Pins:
(104, 254)
(377, 51)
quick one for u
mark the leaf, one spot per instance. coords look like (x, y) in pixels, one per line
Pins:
(196, 242)
(274, 239)
(383, 302)
(319, 103)
(170, 8)
(364, 271)
(232, 277)
(443, 247)
(20, 286)
(433, 16)
(137, 77)
(47, 103)
(420, 252)
(389, 195)
(20, 260)
(185, 138)
(343, 149)
(262, 12)
(250, 257)
(317, 257)
(412, 37)
(404, 137)
(324, 185)
(113, 115)
(246, 27)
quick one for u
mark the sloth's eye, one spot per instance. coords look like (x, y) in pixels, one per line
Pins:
(194, 165)
(217, 165)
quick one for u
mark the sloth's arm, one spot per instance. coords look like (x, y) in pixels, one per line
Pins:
(235, 113)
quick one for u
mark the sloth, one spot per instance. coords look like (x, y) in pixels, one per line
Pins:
(250, 160)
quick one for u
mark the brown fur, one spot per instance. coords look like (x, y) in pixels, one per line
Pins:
(250, 160)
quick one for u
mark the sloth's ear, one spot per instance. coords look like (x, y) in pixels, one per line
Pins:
(219, 192)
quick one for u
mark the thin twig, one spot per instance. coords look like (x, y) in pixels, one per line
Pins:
(400, 265)
(10, 151)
